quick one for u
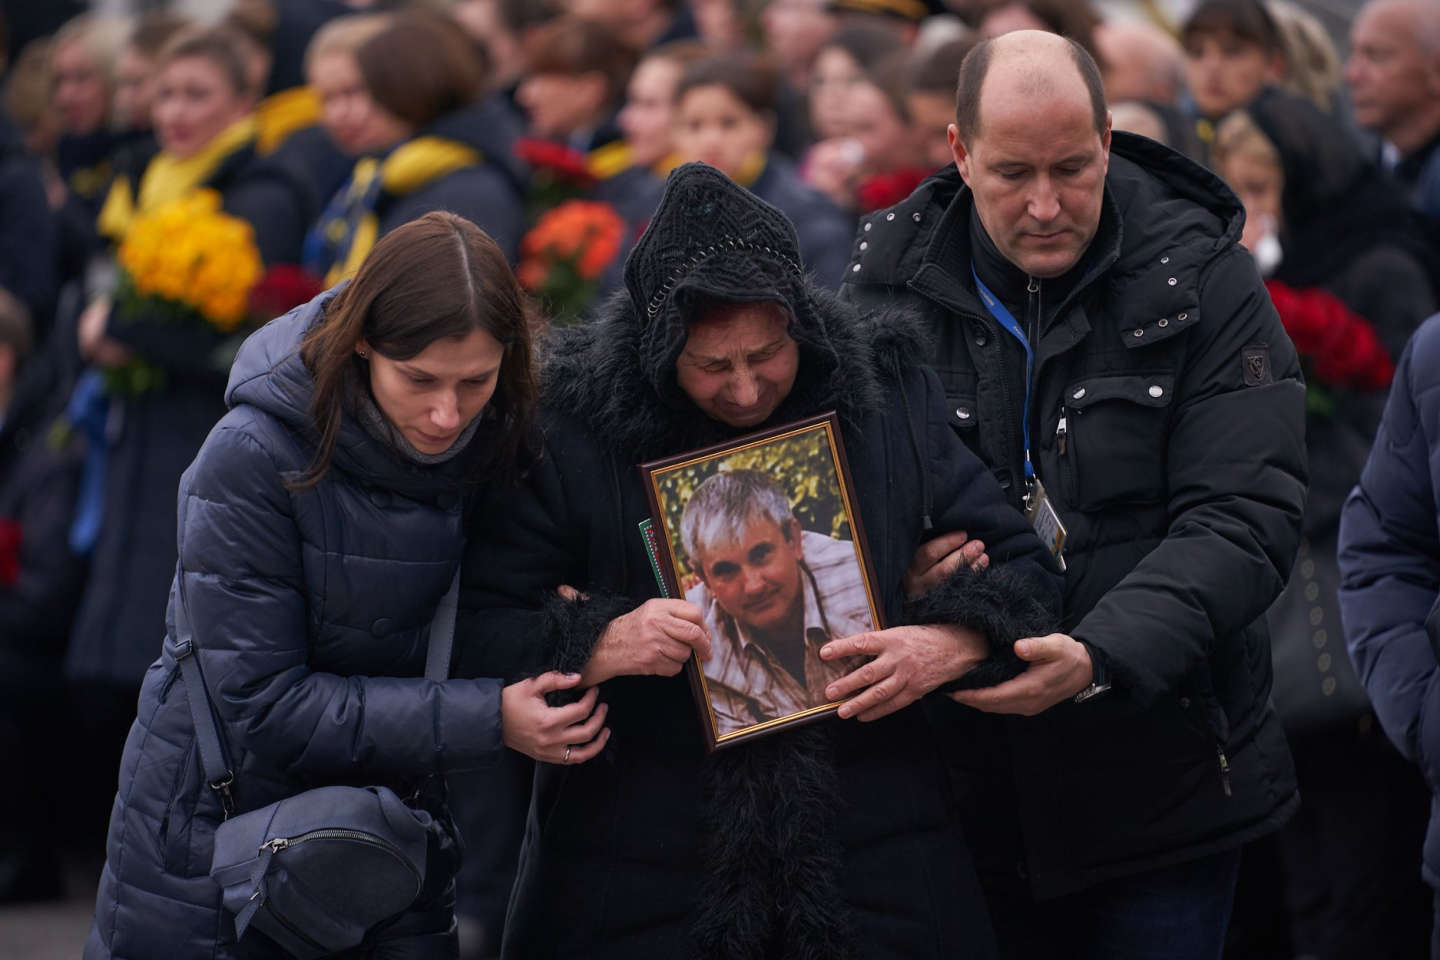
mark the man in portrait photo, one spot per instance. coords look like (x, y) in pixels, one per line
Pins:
(772, 595)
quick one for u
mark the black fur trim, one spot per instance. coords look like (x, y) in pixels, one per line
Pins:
(772, 861)
(996, 602)
(573, 627)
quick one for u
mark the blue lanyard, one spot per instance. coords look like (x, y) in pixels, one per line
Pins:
(1003, 317)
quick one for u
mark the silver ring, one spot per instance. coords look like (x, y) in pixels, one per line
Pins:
(566, 758)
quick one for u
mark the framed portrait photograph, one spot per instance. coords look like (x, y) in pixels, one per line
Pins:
(762, 534)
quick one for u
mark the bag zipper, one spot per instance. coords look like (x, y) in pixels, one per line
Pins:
(276, 844)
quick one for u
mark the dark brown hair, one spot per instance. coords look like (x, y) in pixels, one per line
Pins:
(977, 64)
(1074, 19)
(16, 330)
(520, 15)
(435, 277)
(421, 67)
(1246, 20)
(865, 43)
(153, 30)
(257, 19)
(751, 78)
(220, 45)
(891, 76)
(573, 47)
(938, 70)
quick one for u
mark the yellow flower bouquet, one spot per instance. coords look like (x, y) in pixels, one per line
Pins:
(186, 262)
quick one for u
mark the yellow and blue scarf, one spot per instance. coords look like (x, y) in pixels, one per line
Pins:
(168, 179)
(346, 232)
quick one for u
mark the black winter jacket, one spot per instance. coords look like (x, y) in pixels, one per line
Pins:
(824, 229)
(38, 481)
(29, 257)
(155, 436)
(309, 611)
(1167, 425)
(832, 840)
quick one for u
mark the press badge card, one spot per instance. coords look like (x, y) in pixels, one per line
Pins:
(1046, 521)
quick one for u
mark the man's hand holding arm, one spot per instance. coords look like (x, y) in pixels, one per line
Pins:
(907, 663)
(1059, 667)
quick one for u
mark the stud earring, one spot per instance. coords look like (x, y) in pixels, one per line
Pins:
(364, 354)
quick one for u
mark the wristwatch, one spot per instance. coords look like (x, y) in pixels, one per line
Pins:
(1099, 676)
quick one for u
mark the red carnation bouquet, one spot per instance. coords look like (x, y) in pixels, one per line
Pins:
(887, 189)
(281, 289)
(557, 173)
(1340, 348)
(10, 539)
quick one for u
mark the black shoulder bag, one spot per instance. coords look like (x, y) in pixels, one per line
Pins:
(317, 871)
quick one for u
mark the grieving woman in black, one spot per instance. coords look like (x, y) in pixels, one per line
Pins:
(837, 839)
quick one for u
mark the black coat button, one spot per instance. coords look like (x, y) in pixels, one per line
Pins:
(380, 627)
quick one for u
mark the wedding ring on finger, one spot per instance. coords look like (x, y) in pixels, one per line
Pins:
(566, 758)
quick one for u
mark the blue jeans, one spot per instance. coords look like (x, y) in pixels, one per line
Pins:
(1174, 913)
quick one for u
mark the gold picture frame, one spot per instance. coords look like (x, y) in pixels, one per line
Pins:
(784, 567)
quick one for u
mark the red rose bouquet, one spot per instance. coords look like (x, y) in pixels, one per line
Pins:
(10, 538)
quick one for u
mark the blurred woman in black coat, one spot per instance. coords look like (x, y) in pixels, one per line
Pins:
(725, 116)
(407, 105)
(139, 445)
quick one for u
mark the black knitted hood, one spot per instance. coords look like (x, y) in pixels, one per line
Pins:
(710, 237)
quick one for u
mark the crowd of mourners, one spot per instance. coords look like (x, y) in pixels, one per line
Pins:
(1288, 165)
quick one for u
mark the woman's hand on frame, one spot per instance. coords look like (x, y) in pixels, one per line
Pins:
(573, 733)
(656, 637)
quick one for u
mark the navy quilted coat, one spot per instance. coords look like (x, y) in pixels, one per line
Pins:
(310, 611)
(1390, 570)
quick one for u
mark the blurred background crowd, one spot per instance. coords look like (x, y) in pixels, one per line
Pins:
(276, 140)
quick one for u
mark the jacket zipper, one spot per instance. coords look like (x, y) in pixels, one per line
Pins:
(1224, 769)
(276, 844)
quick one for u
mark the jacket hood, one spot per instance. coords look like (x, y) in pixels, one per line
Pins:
(489, 127)
(270, 375)
(1336, 204)
(710, 237)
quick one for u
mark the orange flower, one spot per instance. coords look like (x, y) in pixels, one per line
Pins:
(583, 231)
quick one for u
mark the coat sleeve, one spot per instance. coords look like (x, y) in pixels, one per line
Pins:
(1019, 595)
(825, 235)
(512, 623)
(1390, 560)
(39, 604)
(242, 587)
(1236, 477)
(28, 241)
